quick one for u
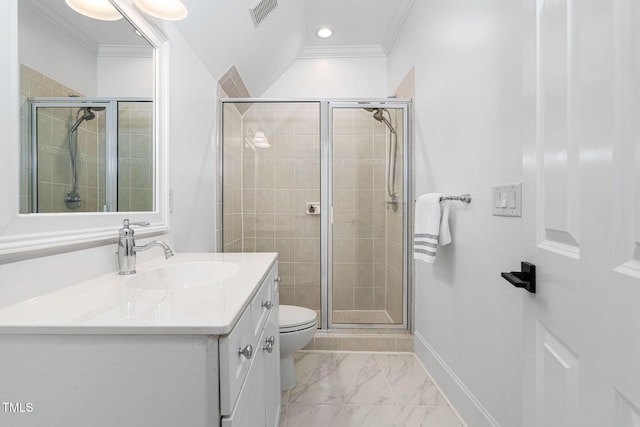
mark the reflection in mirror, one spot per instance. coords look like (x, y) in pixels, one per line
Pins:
(86, 92)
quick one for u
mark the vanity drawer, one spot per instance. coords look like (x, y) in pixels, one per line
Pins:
(263, 303)
(239, 349)
(249, 410)
(234, 365)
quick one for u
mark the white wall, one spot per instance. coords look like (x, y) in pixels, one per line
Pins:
(51, 52)
(192, 146)
(469, 114)
(123, 77)
(364, 77)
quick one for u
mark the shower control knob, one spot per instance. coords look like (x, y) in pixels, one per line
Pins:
(267, 304)
(247, 352)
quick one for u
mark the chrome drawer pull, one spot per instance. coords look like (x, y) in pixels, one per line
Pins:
(269, 344)
(247, 352)
(267, 304)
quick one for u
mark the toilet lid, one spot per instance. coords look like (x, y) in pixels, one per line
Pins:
(293, 318)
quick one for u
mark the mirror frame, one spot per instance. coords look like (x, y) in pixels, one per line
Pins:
(25, 236)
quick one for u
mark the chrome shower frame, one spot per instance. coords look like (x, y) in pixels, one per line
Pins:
(111, 131)
(389, 104)
(326, 123)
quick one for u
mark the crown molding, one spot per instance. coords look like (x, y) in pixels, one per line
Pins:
(125, 51)
(396, 24)
(364, 51)
(62, 24)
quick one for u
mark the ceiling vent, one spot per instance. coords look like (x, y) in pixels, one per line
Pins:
(261, 9)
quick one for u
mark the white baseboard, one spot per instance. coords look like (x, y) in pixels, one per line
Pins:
(466, 404)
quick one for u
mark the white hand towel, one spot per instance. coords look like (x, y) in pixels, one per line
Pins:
(431, 226)
(445, 232)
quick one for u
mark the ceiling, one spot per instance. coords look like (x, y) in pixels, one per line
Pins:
(91, 33)
(222, 34)
(354, 22)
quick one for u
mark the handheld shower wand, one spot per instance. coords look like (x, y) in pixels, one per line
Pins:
(378, 114)
(72, 199)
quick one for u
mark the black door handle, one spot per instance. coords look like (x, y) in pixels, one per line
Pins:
(525, 279)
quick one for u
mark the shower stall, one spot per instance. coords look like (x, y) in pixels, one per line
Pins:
(325, 184)
(87, 155)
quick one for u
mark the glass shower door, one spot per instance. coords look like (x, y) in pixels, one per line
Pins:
(68, 158)
(271, 190)
(367, 194)
(88, 155)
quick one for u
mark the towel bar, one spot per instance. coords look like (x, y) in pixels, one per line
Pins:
(466, 198)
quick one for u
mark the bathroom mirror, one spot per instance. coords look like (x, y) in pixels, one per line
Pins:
(86, 103)
(24, 234)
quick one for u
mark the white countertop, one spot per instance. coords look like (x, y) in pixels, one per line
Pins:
(110, 305)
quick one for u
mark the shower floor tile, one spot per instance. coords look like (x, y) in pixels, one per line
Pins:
(341, 389)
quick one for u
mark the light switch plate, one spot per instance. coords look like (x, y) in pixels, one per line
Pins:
(507, 200)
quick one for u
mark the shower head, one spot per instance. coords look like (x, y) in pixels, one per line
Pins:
(378, 114)
(84, 113)
(87, 114)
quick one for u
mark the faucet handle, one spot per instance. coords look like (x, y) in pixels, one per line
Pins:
(126, 223)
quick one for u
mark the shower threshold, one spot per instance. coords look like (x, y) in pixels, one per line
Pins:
(380, 339)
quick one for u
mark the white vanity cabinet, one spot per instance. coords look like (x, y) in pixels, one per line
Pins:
(250, 363)
(174, 357)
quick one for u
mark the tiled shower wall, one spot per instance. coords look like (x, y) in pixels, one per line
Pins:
(264, 207)
(54, 161)
(135, 156)
(278, 182)
(232, 182)
(367, 244)
(394, 284)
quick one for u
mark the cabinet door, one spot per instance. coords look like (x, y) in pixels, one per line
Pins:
(249, 410)
(272, 367)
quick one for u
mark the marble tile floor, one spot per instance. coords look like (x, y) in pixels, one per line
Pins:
(340, 389)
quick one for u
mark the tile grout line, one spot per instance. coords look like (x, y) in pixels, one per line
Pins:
(343, 406)
(395, 399)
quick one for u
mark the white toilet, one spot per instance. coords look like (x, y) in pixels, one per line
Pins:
(297, 327)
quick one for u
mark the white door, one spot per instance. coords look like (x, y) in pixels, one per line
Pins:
(581, 207)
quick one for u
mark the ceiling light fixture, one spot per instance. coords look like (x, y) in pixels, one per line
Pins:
(260, 140)
(96, 9)
(257, 140)
(169, 10)
(325, 32)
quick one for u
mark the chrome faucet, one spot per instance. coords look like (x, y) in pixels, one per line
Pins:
(127, 248)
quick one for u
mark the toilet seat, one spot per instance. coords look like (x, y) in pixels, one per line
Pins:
(293, 318)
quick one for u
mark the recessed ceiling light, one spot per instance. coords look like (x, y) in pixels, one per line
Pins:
(325, 32)
(96, 9)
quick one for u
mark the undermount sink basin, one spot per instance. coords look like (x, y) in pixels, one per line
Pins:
(187, 275)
